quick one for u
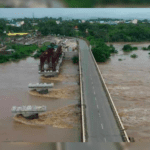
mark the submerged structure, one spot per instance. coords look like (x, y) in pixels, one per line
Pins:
(28, 112)
(42, 88)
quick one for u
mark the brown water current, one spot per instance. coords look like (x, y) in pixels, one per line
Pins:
(129, 82)
(14, 80)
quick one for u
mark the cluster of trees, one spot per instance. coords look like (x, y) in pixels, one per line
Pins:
(112, 33)
(21, 51)
(100, 50)
(109, 33)
(128, 48)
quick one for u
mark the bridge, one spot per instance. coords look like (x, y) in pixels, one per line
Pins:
(101, 123)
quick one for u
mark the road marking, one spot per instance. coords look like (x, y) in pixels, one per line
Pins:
(92, 82)
(105, 139)
(97, 106)
(95, 98)
(102, 126)
(94, 92)
(99, 115)
(93, 87)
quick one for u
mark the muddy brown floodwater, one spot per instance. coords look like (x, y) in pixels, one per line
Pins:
(14, 80)
(129, 82)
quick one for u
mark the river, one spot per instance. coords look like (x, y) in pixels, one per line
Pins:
(14, 80)
(129, 82)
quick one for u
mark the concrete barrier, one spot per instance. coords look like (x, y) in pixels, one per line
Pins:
(119, 122)
(82, 103)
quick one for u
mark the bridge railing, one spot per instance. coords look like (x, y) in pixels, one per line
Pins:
(82, 102)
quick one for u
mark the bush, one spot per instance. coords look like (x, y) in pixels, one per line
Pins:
(120, 59)
(3, 58)
(127, 48)
(134, 56)
(134, 48)
(112, 49)
(75, 59)
(144, 48)
(149, 53)
(148, 47)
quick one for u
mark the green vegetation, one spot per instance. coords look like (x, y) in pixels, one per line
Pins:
(112, 49)
(146, 48)
(134, 48)
(93, 3)
(3, 58)
(75, 59)
(80, 3)
(100, 50)
(128, 48)
(134, 56)
(112, 33)
(21, 51)
(120, 59)
(40, 51)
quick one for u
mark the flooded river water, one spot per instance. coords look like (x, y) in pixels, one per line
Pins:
(14, 80)
(129, 82)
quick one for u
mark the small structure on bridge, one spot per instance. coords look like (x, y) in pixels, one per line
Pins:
(29, 112)
(42, 88)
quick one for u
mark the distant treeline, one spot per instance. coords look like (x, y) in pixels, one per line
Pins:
(112, 33)
(121, 32)
(92, 3)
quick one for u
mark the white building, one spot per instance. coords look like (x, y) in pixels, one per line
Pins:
(22, 22)
(102, 22)
(58, 22)
(134, 21)
(83, 21)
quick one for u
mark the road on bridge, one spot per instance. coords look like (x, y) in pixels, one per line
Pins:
(101, 124)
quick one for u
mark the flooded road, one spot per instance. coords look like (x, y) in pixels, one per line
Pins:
(14, 80)
(129, 82)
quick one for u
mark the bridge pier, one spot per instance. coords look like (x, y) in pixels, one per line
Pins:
(28, 112)
(42, 88)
